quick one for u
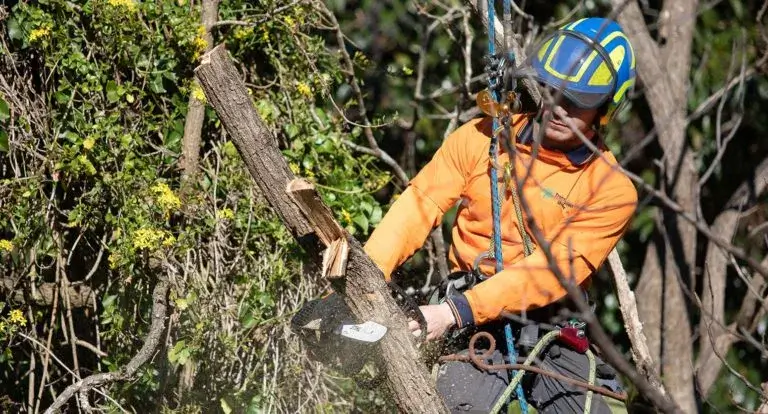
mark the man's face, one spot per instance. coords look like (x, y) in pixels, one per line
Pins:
(557, 133)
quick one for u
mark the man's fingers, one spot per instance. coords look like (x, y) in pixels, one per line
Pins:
(413, 325)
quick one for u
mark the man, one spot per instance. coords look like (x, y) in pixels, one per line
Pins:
(577, 198)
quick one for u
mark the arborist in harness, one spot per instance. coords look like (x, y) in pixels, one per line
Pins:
(577, 198)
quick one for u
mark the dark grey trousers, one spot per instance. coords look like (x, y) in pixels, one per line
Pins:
(467, 389)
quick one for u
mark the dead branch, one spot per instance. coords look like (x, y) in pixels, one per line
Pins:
(363, 288)
(763, 409)
(159, 303)
(628, 307)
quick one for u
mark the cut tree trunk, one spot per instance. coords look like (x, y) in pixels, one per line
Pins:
(363, 288)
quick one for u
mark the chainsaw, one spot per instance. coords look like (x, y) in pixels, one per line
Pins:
(332, 335)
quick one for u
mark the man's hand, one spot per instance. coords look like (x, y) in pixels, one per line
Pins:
(439, 320)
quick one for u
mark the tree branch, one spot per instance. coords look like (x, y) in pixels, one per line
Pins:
(628, 306)
(193, 124)
(44, 293)
(609, 352)
(669, 263)
(159, 303)
(479, 6)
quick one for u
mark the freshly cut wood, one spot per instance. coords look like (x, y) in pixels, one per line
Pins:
(335, 259)
(319, 215)
(330, 232)
(363, 288)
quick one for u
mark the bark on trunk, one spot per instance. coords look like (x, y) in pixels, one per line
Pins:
(711, 327)
(364, 288)
(670, 260)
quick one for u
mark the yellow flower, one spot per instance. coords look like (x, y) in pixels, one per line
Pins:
(289, 21)
(39, 33)
(264, 34)
(16, 317)
(294, 167)
(199, 44)
(6, 245)
(88, 143)
(197, 93)
(226, 214)
(169, 241)
(241, 33)
(114, 260)
(125, 4)
(346, 216)
(304, 89)
(165, 197)
(147, 238)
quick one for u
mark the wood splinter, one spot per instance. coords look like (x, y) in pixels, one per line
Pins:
(325, 226)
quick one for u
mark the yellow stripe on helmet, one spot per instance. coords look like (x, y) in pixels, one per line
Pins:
(572, 78)
(603, 76)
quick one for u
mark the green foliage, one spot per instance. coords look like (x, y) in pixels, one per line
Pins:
(115, 79)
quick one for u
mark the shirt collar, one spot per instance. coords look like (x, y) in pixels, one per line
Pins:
(577, 156)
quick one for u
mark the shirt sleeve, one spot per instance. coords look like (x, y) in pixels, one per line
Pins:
(584, 239)
(429, 195)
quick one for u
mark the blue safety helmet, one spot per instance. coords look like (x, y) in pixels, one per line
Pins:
(591, 61)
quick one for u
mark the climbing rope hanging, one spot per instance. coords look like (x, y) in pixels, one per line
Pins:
(494, 86)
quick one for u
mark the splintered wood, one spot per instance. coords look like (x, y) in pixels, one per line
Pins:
(325, 226)
(335, 259)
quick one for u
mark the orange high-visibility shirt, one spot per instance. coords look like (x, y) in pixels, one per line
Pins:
(582, 210)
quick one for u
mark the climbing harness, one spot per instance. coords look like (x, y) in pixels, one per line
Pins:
(479, 361)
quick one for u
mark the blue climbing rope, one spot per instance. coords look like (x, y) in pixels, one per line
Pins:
(496, 207)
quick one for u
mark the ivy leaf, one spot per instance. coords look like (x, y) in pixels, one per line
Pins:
(172, 140)
(376, 215)
(112, 94)
(157, 84)
(4, 145)
(361, 221)
(5, 112)
(174, 354)
(14, 31)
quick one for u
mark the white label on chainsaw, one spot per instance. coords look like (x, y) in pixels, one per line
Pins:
(366, 332)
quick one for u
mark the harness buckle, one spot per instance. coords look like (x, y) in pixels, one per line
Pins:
(574, 338)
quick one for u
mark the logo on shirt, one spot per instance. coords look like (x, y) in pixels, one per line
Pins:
(563, 202)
